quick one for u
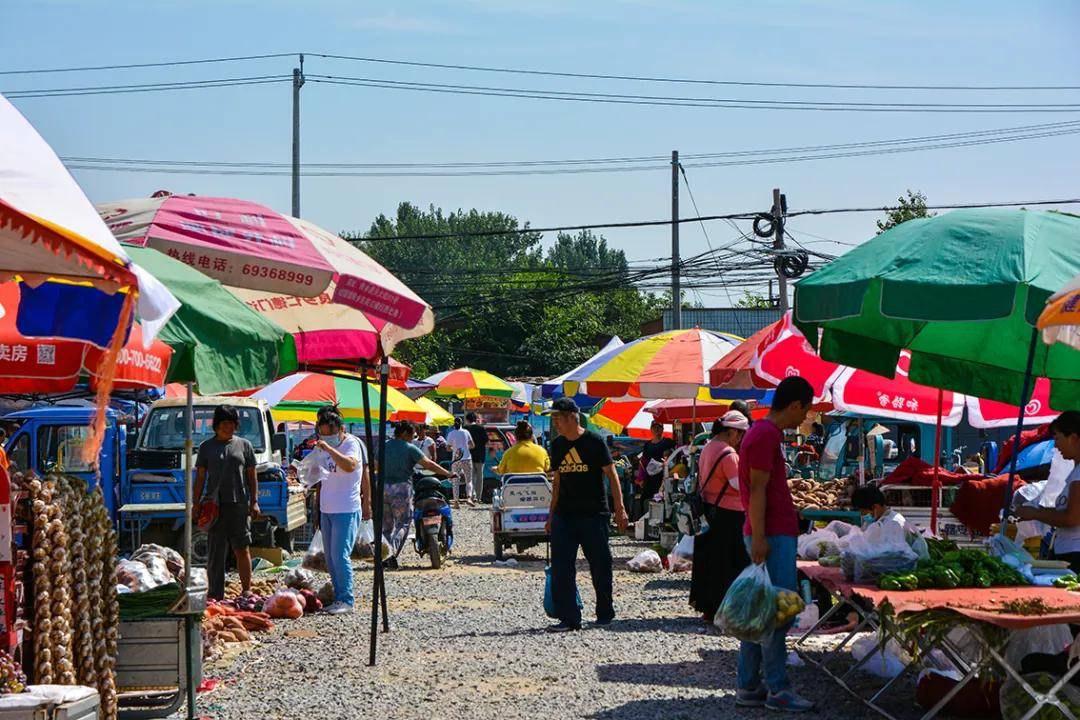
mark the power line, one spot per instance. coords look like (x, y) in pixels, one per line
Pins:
(130, 66)
(145, 87)
(543, 73)
(238, 169)
(1066, 125)
(705, 232)
(694, 81)
(705, 218)
(676, 101)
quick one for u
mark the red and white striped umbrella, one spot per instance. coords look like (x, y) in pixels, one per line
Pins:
(246, 245)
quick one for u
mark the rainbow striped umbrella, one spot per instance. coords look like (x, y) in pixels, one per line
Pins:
(298, 397)
(467, 382)
(436, 414)
(668, 365)
(627, 417)
(1060, 321)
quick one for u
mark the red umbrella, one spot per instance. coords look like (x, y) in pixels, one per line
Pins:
(43, 365)
(993, 414)
(864, 393)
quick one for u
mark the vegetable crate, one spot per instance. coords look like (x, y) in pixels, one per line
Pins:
(151, 666)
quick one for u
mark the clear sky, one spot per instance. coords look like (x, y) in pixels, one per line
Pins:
(915, 42)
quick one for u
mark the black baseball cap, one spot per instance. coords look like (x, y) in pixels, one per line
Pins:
(562, 405)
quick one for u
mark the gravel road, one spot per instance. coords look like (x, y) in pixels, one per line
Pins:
(467, 641)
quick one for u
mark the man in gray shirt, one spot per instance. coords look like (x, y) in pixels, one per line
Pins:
(225, 475)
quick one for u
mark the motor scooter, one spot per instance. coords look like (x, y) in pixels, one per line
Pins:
(433, 518)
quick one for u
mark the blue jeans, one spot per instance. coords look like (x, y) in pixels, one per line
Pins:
(590, 533)
(339, 535)
(772, 654)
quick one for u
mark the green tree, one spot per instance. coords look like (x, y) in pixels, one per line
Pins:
(500, 302)
(911, 206)
(753, 301)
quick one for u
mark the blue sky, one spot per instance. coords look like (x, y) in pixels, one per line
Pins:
(914, 42)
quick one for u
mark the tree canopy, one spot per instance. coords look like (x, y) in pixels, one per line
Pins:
(911, 206)
(501, 302)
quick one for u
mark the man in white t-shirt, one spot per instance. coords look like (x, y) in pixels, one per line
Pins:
(461, 444)
(1065, 515)
(344, 501)
(425, 442)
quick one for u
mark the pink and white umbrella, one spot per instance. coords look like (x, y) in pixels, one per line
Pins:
(246, 245)
(864, 393)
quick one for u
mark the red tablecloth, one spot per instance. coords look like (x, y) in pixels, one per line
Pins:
(984, 605)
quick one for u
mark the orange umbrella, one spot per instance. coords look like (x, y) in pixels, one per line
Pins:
(1060, 321)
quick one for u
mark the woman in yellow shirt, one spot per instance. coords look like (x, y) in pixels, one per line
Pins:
(524, 456)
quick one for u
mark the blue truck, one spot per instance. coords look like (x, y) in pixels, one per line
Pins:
(142, 472)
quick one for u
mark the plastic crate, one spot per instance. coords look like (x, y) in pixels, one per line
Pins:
(303, 535)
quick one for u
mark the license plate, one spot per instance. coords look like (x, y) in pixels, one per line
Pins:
(433, 520)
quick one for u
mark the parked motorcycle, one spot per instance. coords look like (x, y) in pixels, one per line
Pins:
(433, 518)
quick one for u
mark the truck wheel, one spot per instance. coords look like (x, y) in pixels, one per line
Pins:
(200, 547)
(283, 539)
(499, 555)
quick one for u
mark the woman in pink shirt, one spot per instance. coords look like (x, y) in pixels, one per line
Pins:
(719, 552)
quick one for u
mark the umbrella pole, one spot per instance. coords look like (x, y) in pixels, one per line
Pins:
(1025, 397)
(384, 376)
(935, 491)
(377, 548)
(189, 489)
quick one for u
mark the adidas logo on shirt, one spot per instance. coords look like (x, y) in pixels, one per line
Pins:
(571, 463)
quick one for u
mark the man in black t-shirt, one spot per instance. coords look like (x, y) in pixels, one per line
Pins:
(579, 516)
(479, 454)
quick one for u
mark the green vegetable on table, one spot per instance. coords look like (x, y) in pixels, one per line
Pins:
(949, 568)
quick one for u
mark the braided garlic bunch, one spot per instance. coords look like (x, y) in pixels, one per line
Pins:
(82, 594)
(108, 616)
(59, 563)
(42, 552)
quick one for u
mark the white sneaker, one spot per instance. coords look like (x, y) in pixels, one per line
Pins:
(339, 608)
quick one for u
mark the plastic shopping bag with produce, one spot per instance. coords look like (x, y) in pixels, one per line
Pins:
(749, 609)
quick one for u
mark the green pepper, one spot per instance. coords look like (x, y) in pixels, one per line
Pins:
(908, 582)
(888, 582)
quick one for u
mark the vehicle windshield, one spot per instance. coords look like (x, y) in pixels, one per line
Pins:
(164, 428)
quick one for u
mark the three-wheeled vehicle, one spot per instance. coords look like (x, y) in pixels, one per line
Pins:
(519, 512)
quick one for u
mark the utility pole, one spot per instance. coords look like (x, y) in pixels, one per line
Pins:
(676, 283)
(297, 83)
(779, 207)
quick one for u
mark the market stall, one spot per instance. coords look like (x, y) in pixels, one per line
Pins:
(989, 615)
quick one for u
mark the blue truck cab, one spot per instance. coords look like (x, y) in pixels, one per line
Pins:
(51, 438)
(154, 492)
(142, 478)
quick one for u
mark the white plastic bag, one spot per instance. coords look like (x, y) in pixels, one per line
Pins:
(135, 576)
(315, 557)
(366, 533)
(312, 470)
(1046, 639)
(839, 528)
(748, 611)
(881, 548)
(817, 544)
(808, 618)
(646, 561)
(887, 662)
(685, 547)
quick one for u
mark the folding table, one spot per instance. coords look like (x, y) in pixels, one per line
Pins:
(978, 610)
